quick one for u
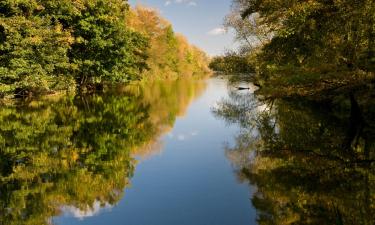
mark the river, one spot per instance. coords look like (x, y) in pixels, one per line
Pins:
(185, 152)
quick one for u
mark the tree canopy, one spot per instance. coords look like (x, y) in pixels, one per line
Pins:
(300, 43)
(56, 45)
(170, 54)
(232, 63)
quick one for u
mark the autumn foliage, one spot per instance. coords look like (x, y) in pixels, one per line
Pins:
(170, 54)
(46, 46)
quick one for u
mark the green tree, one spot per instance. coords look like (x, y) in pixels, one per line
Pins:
(45, 45)
(232, 63)
(105, 49)
(33, 49)
(314, 43)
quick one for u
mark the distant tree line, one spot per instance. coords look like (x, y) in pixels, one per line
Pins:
(169, 55)
(232, 63)
(48, 45)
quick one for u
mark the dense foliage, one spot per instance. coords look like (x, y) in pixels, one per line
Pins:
(316, 43)
(52, 45)
(170, 55)
(231, 63)
(48, 44)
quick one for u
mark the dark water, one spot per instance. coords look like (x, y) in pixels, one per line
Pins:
(187, 152)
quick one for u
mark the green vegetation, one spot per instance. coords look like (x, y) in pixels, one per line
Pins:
(231, 63)
(46, 46)
(311, 164)
(304, 48)
(79, 151)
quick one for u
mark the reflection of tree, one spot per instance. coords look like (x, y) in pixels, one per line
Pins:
(62, 154)
(310, 165)
(167, 100)
(76, 151)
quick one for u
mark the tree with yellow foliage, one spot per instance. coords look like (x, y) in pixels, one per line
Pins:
(170, 55)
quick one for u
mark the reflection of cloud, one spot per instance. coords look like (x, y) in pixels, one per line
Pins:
(81, 214)
(217, 31)
(181, 137)
(194, 133)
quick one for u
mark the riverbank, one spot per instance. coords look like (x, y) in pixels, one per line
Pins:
(315, 86)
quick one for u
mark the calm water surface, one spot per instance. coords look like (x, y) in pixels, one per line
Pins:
(186, 152)
(185, 178)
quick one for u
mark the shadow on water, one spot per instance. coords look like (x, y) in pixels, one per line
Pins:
(76, 154)
(311, 162)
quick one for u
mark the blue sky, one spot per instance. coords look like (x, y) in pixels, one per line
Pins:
(198, 20)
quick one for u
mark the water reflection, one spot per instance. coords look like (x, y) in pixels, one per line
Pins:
(312, 163)
(76, 154)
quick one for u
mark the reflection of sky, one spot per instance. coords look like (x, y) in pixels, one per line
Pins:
(190, 182)
(199, 20)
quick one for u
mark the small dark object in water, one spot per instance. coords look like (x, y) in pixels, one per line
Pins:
(243, 88)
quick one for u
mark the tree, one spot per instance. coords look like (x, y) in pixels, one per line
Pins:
(248, 31)
(232, 63)
(33, 49)
(49, 45)
(170, 54)
(100, 30)
(322, 40)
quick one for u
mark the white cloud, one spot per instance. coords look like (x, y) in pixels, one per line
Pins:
(192, 4)
(183, 136)
(217, 31)
(186, 2)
